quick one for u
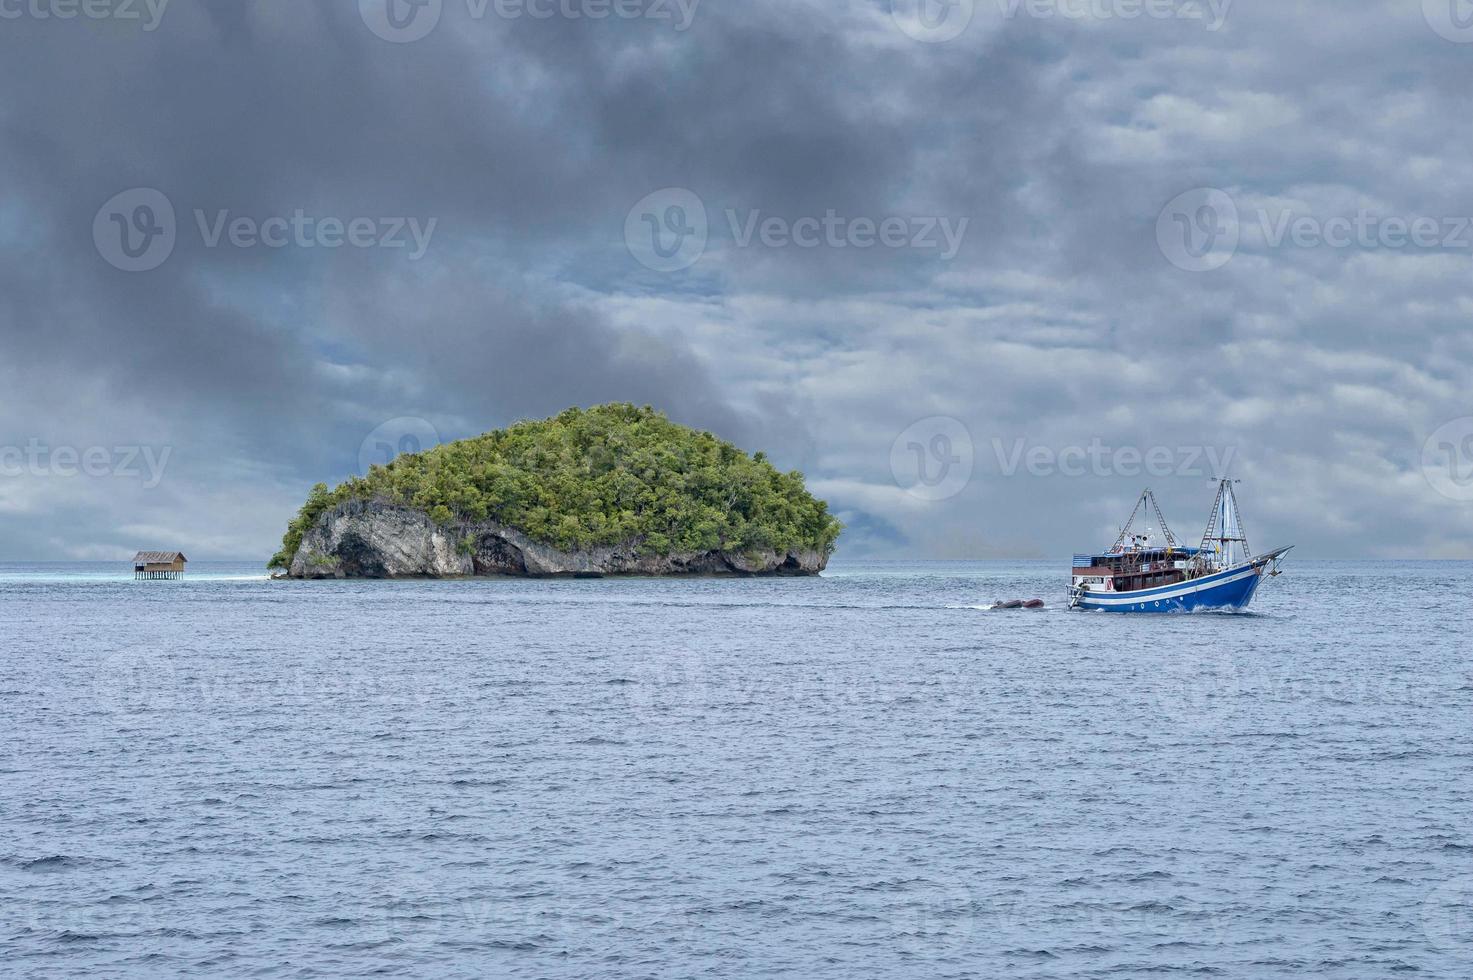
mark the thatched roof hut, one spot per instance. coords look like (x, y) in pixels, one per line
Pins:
(159, 564)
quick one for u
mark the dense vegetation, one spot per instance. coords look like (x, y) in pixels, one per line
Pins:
(601, 476)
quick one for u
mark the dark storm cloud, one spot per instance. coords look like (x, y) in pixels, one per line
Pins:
(526, 141)
(291, 357)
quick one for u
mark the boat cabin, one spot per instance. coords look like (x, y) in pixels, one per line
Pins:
(1133, 569)
(159, 564)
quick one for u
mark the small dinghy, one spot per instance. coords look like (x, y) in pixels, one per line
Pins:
(1018, 604)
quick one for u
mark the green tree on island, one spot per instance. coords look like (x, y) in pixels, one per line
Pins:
(608, 475)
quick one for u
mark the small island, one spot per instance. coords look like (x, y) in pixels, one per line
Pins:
(611, 490)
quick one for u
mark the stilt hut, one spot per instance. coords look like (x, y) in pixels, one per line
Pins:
(159, 564)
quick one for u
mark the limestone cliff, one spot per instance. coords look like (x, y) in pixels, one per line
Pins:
(371, 539)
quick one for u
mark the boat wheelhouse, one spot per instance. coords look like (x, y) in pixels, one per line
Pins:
(1138, 574)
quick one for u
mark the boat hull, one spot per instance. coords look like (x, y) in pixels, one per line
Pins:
(1229, 590)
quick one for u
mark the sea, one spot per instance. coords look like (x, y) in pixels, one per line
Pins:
(864, 774)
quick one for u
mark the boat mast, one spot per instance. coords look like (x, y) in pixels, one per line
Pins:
(1147, 497)
(1161, 519)
(1117, 547)
(1225, 528)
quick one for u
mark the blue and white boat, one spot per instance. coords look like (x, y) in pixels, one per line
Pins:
(1140, 575)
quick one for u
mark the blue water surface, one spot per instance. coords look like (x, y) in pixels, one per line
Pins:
(867, 774)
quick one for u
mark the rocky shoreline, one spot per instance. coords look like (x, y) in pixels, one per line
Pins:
(370, 539)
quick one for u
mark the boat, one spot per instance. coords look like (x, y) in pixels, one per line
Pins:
(1018, 604)
(1140, 574)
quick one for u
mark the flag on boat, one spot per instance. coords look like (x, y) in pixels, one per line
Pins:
(1084, 561)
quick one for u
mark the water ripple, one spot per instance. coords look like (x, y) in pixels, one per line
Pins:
(868, 774)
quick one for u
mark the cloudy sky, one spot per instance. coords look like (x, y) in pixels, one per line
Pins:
(981, 270)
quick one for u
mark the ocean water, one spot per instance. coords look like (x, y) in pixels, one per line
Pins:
(866, 774)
